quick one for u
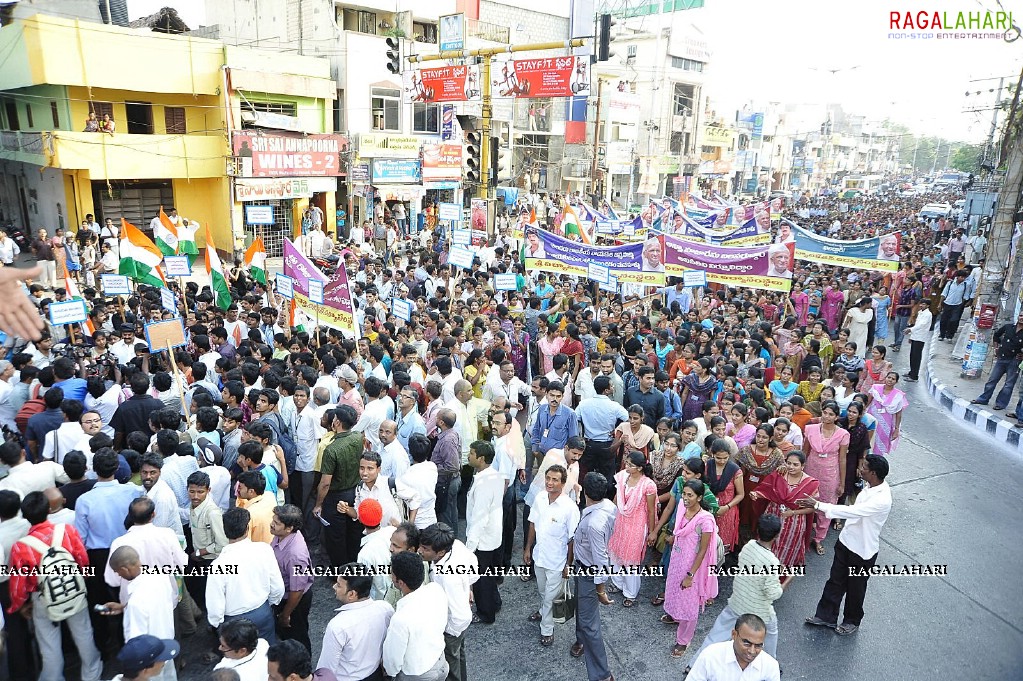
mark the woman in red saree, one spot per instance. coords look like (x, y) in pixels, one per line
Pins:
(725, 480)
(757, 461)
(779, 491)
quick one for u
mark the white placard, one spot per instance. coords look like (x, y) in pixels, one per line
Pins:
(115, 285)
(402, 309)
(629, 229)
(285, 286)
(694, 278)
(505, 282)
(462, 237)
(177, 265)
(68, 312)
(611, 286)
(167, 300)
(316, 291)
(598, 273)
(460, 256)
(449, 211)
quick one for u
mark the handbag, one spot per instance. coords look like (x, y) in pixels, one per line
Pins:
(720, 551)
(565, 604)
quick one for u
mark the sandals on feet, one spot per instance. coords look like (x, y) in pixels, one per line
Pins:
(678, 650)
(667, 619)
(629, 602)
(657, 600)
(547, 641)
(535, 617)
(819, 548)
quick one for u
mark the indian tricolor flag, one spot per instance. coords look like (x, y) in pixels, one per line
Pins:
(71, 286)
(165, 232)
(140, 258)
(255, 260)
(218, 282)
(572, 225)
(186, 240)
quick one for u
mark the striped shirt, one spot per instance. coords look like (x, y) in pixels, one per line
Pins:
(756, 593)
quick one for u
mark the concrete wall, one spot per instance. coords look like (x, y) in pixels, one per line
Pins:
(44, 193)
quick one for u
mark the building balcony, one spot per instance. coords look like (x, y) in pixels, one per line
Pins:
(25, 147)
(123, 156)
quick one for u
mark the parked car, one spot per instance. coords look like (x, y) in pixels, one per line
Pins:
(935, 210)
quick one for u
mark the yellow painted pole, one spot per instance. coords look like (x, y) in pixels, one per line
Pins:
(485, 116)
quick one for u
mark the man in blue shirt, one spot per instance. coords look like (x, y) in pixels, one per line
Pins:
(555, 424)
(45, 421)
(599, 416)
(64, 371)
(543, 291)
(672, 400)
(680, 294)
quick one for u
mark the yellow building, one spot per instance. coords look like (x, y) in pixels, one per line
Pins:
(180, 106)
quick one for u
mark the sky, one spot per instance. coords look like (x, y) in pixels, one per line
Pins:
(766, 52)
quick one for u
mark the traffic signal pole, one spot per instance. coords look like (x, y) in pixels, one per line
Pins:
(486, 54)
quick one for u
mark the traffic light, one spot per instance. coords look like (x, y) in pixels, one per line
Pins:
(498, 161)
(473, 150)
(394, 55)
(604, 37)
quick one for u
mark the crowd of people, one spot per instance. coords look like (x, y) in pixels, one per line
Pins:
(654, 437)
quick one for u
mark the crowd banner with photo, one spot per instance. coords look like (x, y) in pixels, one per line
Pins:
(878, 254)
(337, 311)
(764, 267)
(748, 234)
(444, 84)
(544, 77)
(631, 263)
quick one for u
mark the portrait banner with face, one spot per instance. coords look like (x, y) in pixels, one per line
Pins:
(762, 267)
(638, 263)
(337, 310)
(878, 254)
(748, 234)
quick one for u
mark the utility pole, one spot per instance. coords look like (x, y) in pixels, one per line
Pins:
(486, 113)
(989, 147)
(993, 281)
(596, 139)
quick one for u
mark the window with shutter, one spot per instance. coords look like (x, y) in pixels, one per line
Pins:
(174, 117)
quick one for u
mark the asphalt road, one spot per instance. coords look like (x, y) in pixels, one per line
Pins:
(965, 625)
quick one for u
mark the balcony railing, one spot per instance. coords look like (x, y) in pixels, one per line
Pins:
(484, 30)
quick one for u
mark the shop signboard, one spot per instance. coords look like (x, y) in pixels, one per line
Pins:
(395, 171)
(266, 154)
(259, 188)
(374, 145)
(442, 162)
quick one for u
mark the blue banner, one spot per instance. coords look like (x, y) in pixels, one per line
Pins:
(879, 254)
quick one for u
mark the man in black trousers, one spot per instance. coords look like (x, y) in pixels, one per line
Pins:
(856, 550)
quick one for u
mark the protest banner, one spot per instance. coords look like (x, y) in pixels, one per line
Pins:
(878, 254)
(638, 263)
(337, 311)
(763, 267)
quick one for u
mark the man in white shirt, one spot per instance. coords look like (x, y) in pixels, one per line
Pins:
(548, 545)
(353, 642)
(24, 476)
(147, 602)
(563, 375)
(422, 477)
(508, 387)
(584, 381)
(917, 335)
(167, 511)
(470, 413)
(155, 546)
(395, 460)
(244, 650)
(414, 645)
(375, 551)
(380, 408)
(455, 569)
(256, 585)
(484, 513)
(68, 436)
(856, 550)
(739, 659)
(376, 486)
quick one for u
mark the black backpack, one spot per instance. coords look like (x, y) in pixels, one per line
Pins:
(282, 437)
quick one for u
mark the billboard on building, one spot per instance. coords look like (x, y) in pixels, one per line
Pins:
(545, 77)
(445, 84)
(285, 155)
(452, 32)
(442, 162)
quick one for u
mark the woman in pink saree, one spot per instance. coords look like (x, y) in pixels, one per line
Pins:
(690, 583)
(886, 405)
(831, 304)
(800, 303)
(824, 446)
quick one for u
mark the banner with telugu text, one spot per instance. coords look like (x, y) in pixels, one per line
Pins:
(763, 267)
(337, 311)
(878, 254)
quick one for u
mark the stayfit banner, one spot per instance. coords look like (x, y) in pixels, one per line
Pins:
(337, 310)
(631, 263)
(446, 84)
(265, 154)
(879, 254)
(548, 77)
(763, 267)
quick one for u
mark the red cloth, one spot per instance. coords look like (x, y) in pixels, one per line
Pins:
(24, 558)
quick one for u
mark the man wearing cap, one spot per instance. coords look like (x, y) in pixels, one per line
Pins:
(375, 553)
(349, 395)
(145, 657)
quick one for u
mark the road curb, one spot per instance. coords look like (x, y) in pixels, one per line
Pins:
(976, 415)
